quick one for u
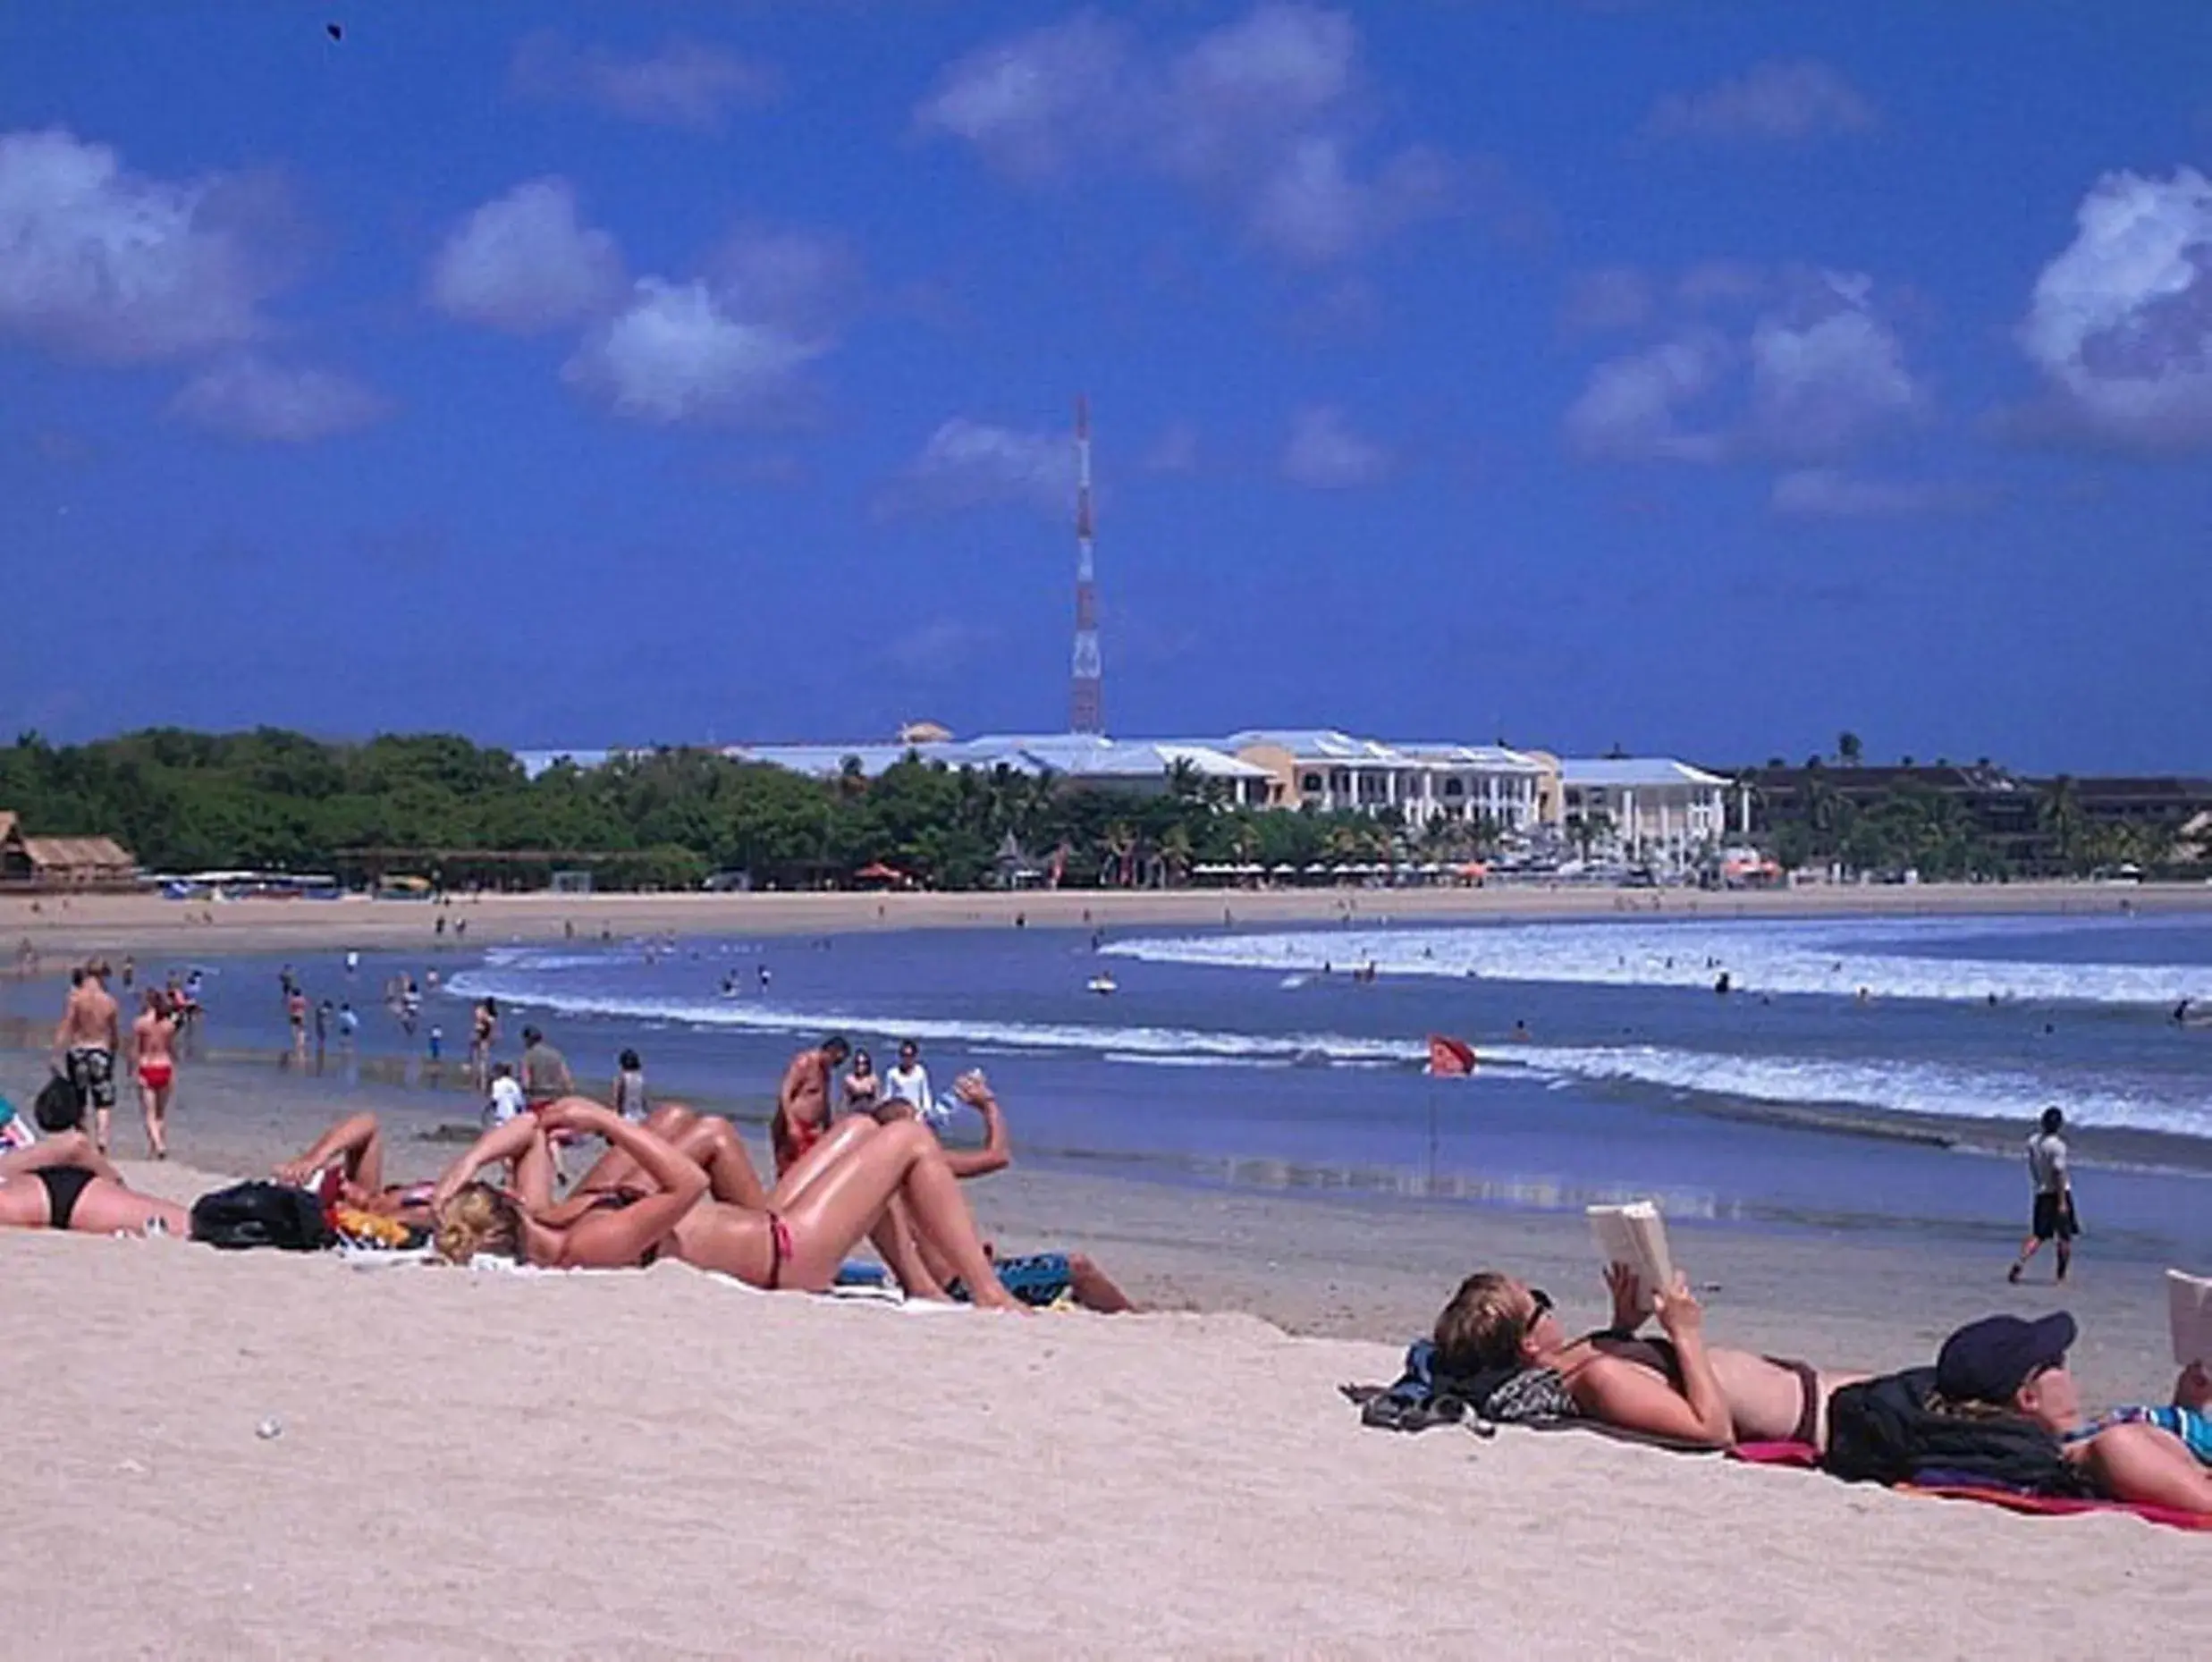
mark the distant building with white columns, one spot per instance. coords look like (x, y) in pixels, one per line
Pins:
(1654, 809)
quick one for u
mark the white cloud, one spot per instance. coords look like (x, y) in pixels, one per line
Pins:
(1325, 454)
(524, 262)
(1830, 493)
(1817, 376)
(1827, 373)
(1263, 116)
(1631, 410)
(676, 353)
(1783, 99)
(102, 263)
(2121, 321)
(686, 84)
(972, 464)
(248, 397)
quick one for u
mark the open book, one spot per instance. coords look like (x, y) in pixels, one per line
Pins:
(2189, 1300)
(1636, 1235)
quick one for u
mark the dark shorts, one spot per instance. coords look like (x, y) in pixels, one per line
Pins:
(92, 1071)
(2053, 1216)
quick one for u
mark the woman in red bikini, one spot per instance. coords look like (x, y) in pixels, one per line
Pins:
(654, 1199)
(152, 1045)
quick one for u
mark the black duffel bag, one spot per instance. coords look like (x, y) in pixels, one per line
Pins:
(262, 1214)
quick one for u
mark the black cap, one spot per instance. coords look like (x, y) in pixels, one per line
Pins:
(1987, 1360)
(531, 1036)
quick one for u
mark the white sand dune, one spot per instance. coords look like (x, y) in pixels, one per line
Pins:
(656, 1464)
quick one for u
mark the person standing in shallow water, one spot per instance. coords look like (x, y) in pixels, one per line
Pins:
(2054, 1219)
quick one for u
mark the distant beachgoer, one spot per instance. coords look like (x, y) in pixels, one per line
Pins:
(506, 1097)
(803, 1102)
(287, 984)
(437, 1041)
(483, 1030)
(764, 978)
(430, 980)
(461, 927)
(323, 1013)
(153, 1052)
(2054, 1219)
(85, 1044)
(438, 929)
(545, 1076)
(568, 929)
(296, 1013)
(353, 961)
(1521, 1034)
(411, 1005)
(130, 972)
(909, 1083)
(349, 1024)
(629, 1088)
(863, 1085)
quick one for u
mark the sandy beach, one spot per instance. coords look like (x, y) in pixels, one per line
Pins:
(149, 924)
(478, 1465)
(475, 1463)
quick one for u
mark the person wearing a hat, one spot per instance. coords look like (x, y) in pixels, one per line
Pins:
(2018, 1365)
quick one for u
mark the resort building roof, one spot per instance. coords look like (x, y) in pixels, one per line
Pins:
(1634, 773)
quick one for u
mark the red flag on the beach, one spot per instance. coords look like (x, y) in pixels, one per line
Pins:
(1449, 1057)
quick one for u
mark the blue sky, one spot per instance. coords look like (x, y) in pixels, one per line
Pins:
(1702, 378)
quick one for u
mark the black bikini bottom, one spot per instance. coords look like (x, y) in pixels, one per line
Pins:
(63, 1184)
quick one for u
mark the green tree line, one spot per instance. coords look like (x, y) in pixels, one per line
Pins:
(441, 806)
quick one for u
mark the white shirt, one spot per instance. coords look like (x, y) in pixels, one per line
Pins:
(2046, 1161)
(911, 1084)
(507, 1100)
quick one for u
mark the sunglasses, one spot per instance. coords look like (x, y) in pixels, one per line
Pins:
(1539, 1305)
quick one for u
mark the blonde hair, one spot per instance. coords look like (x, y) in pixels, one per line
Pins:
(1483, 1325)
(478, 1218)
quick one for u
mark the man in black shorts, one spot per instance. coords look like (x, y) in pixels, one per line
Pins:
(2054, 1196)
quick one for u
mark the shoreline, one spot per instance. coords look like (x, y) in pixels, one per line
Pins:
(139, 922)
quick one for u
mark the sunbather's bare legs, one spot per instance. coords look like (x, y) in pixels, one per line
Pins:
(356, 1143)
(891, 1235)
(712, 1140)
(839, 1191)
(2148, 1465)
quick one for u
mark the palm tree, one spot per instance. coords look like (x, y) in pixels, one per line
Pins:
(1175, 852)
(1849, 751)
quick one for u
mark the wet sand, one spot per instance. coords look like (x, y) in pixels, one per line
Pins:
(145, 923)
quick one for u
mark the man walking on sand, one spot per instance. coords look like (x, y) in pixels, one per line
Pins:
(85, 1046)
(545, 1076)
(802, 1101)
(2054, 1196)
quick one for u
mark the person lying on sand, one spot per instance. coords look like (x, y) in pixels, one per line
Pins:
(818, 1210)
(1674, 1387)
(346, 1165)
(67, 1183)
(2016, 1367)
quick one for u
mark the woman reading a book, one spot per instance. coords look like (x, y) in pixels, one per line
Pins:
(1671, 1385)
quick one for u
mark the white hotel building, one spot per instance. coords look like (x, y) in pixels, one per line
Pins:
(1656, 810)
(1326, 770)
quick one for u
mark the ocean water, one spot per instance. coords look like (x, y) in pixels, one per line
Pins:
(1859, 1075)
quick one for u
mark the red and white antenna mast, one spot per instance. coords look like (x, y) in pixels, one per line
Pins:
(1086, 711)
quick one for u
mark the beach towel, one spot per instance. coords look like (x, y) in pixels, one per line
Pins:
(2058, 1506)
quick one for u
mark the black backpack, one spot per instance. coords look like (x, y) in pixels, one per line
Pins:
(59, 1106)
(1884, 1430)
(262, 1214)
